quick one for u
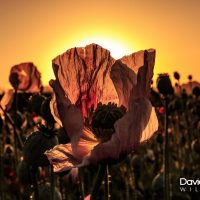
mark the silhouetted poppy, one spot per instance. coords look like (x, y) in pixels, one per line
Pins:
(176, 76)
(25, 77)
(164, 85)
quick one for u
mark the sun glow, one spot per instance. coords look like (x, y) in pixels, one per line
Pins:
(116, 48)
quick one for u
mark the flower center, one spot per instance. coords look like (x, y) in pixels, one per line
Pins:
(104, 118)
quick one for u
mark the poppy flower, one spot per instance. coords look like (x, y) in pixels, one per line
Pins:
(25, 77)
(88, 76)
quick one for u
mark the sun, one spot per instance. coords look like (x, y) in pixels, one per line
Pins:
(116, 48)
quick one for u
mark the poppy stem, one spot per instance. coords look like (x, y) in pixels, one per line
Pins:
(10, 120)
(81, 183)
(166, 155)
(33, 171)
(61, 188)
(98, 181)
(107, 183)
(1, 174)
(14, 127)
(52, 183)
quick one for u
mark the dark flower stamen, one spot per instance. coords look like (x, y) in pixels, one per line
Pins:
(104, 118)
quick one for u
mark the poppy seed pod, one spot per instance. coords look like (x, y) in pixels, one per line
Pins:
(164, 85)
(155, 99)
(176, 75)
(45, 192)
(196, 91)
(35, 103)
(35, 146)
(103, 120)
(190, 77)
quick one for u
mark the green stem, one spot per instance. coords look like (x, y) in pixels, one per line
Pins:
(33, 172)
(107, 184)
(61, 188)
(166, 154)
(98, 181)
(10, 120)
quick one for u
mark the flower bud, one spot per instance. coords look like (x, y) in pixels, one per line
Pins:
(35, 146)
(155, 98)
(176, 75)
(164, 85)
(190, 77)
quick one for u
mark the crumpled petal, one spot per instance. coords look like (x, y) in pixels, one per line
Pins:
(29, 77)
(124, 74)
(61, 157)
(65, 112)
(84, 75)
(123, 78)
(66, 156)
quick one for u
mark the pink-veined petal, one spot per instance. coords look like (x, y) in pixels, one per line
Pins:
(123, 78)
(85, 145)
(124, 74)
(61, 157)
(84, 75)
(66, 156)
(65, 112)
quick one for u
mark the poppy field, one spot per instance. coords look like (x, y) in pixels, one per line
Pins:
(101, 130)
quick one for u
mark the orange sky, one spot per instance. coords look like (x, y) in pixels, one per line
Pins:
(39, 30)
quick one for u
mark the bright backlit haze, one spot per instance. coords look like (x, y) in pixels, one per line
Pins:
(38, 31)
